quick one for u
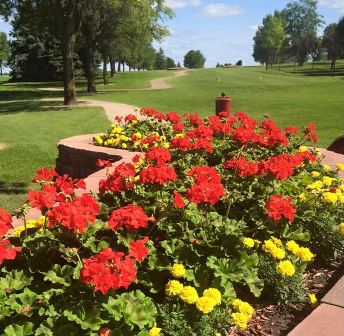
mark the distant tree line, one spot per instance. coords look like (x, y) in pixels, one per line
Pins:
(57, 39)
(290, 35)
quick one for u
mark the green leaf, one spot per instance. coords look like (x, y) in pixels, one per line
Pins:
(295, 234)
(172, 247)
(19, 330)
(253, 282)
(60, 275)
(14, 280)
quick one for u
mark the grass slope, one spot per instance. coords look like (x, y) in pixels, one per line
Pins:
(31, 132)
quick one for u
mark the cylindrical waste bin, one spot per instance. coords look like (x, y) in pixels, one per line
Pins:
(223, 104)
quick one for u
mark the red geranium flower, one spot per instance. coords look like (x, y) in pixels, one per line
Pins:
(43, 199)
(310, 132)
(138, 250)
(178, 201)
(158, 174)
(130, 117)
(5, 222)
(132, 217)
(6, 251)
(278, 206)
(159, 155)
(103, 163)
(44, 175)
(205, 193)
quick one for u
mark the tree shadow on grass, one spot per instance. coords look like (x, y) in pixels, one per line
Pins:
(7, 108)
(13, 188)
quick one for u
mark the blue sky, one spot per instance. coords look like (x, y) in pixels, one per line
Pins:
(222, 29)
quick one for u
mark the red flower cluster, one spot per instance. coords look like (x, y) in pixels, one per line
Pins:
(208, 187)
(158, 174)
(44, 175)
(179, 127)
(103, 163)
(159, 155)
(108, 270)
(310, 133)
(121, 179)
(221, 125)
(150, 139)
(138, 250)
(130, 117)
(178, 201)
(291, 130)
(5, 222)
(43, 199)
(242, 166)
(153, 113)
(74, 214)
(67, 185)
(200, 138)
(278, 206)
(132, 217)
(173, 117)
(6, 251)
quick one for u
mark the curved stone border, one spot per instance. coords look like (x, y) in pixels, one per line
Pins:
(78, 157)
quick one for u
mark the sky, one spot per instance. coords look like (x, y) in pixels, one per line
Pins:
(222, 30)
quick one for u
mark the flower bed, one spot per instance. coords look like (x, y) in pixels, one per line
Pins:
(216, 214)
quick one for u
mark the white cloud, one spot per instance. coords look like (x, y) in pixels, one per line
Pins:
(334, 4)
(253, 27)
(182, 3)
(221, 9)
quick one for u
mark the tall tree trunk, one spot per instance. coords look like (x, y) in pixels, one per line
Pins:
(112, 66)
(90, 70)
(123, 66)
(1, 67)
(119, 66)
(333, 63)
(68, 44)
(105, 79)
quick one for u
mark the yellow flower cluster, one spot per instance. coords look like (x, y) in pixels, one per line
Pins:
(303, 253)
(178, 270)
(30, 224)
(341, 229)
(273, 249)
(312, 299)
(243, 312)
(249, 242)
(286, 268)
(205, 304)
(155, 332)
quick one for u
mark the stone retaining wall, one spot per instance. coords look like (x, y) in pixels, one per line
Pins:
(77, 156)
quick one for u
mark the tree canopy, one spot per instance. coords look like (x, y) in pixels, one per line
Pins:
(194, 59)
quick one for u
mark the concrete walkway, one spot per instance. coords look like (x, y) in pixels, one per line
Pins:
(155, 84)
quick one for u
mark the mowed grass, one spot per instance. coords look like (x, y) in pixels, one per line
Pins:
(290, 99)
(31, 131)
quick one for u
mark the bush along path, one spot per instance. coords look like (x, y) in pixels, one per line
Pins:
(213, 216)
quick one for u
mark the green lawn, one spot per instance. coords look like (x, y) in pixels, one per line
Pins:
(31, 131)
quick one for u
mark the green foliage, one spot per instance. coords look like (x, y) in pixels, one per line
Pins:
(194, 59)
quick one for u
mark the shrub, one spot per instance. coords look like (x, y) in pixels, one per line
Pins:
(215, 210)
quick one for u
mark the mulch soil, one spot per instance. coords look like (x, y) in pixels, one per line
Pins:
(271, 320)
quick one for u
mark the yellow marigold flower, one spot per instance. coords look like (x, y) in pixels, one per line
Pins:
(292, 246)
(213, 293)
(341, 229)
(330, 197)
(217, 334)
(240, 320)
(340, 166)
(98, 140)
(155, 332)
(286, 268)
(305, 254)
(205, 304)
(303, 149)
(302, 197)
(326, 167)
(249, 242)
(179, 135)
(277, 241)
(243, 307)
(30, 224)
(178, 270)
(315, 174)
(340, 198)
(312, 299)
(189, 295)
(315, 185)
(166, 145)
(173, 287)
(327, 180)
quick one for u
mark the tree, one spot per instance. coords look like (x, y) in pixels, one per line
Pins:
(170, 63)
(160, 60)
(4, 50)
(239, 63)
(269, 40)
(194, 59)
(302, 22)
(340, 33)
(330, 43)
